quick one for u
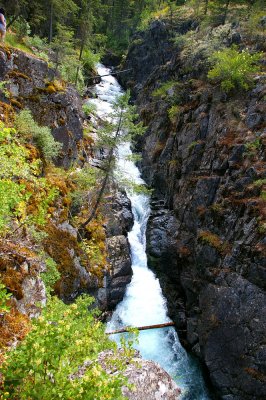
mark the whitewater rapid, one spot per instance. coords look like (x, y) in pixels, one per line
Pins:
(144, 303)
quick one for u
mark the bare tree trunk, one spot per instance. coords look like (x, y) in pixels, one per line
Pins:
(51, 23)
(225, 11)
(80, 56)
(206, 7)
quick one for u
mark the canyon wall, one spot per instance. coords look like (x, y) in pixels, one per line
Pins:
(31, 84)
(204, 157)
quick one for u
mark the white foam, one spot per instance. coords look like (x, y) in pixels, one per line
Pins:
(144, 303)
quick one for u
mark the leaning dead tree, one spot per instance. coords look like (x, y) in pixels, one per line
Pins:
(126, 128)
(105, 180)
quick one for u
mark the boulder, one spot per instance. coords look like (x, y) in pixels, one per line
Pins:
(149, 380)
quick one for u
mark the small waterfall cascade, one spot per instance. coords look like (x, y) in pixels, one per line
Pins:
(144, 303)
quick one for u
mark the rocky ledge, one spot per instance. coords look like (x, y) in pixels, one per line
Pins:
(147, 379)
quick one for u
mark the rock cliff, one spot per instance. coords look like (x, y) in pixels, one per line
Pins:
(32, 84)
(205, 159)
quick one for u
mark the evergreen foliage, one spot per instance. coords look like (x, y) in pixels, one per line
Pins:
(78, 29)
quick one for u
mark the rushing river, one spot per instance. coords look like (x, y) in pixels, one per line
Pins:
(144, 303)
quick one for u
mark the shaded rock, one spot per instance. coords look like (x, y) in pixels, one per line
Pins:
(110, 59)
(206, 226)
(232, 331)
(120, 273)
(117, 209)
(253, 120)
(34, 297)
(118, 212)
(149, 49)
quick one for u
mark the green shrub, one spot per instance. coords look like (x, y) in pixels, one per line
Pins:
(44, 365)
(173, 112)
(4, 297)
(163, 89)
(25, 197)
(36, 41)
(41, 135)
(89, 108)
(179, 40)
(234, 69)
(90, 59)
(260, 182)
(12, 40)
(69, 68)
(21, 27)
(51, 275)
(38, 45)
(4, 90)
(11, 194)
(85, 179)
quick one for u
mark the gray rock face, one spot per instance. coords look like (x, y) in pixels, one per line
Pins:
(149, 380)
(31, 84)
(120, 274)
(232, 332)
(34, 297)
(21, 269)
(148, 50)
(117, 210)
(206, 232)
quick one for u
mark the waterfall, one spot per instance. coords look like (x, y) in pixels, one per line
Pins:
(144, 303)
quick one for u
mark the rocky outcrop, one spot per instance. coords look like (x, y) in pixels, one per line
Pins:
(20, 270)
(35, 86)
(147, 379)
(234, 320)
(206, 234)
(148, 50)
(119, 222)
(149, 382)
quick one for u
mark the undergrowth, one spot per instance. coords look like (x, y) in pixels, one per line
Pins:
(48, 363)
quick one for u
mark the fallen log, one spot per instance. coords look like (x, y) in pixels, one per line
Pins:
(140, 328)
